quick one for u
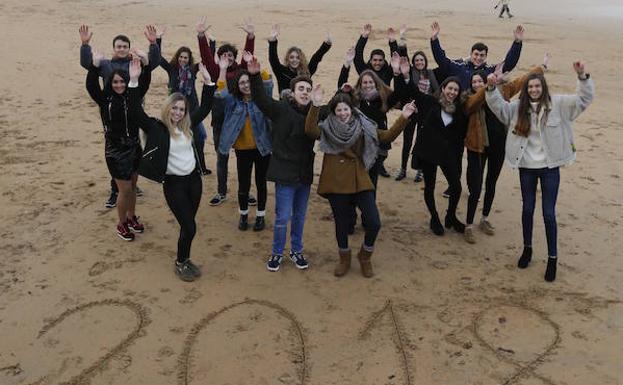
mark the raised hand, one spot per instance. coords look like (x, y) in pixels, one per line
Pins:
(405, 67)
(409, 109)
(395, 63)
(253, 66)
(328, 39)
(97, 58)
(317, 95)
(546, 58)
(498, 69)
(135, 69)
(492, 80)
(150, 33)
(141, 55)
(207, 79)
(391, 34)
(160, 31)
(434, 30)
(579, 67)
(201, 26)
(247, 56)
(248, 27)
(347, 88)
(222, 63)
(85, 34)
(274, 32)
(349, 57)
(518, 32)
(366, 30)
(403, 30)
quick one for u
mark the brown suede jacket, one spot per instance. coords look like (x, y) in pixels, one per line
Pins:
(345, 173)
(473, 108)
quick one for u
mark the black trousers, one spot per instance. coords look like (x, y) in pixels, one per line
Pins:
(343, 206)
(245, 160)
(407, 143)
(453, 174)
(476, 163)
(183, 194)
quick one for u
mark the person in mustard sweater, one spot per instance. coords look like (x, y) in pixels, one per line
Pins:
(245, 129)
(350, 142)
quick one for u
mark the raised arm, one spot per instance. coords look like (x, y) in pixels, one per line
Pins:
(360, 65)
(207, 55)
(319, 54)
(207, 98)
(86, 55)
(446, 65)
(574, 105)
(273, 54)
(500, 107)
(391, 39)
(249, 44)
(265, 103)
(135, 108)
(93, 86)
(311, 121)
(388, 136)
(512, 56)
(154, 49)
(163, 63)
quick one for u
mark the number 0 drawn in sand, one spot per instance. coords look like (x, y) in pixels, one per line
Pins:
(235, 329)
(87, 374)
(501, 328)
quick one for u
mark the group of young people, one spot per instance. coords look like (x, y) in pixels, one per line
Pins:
(463, 103)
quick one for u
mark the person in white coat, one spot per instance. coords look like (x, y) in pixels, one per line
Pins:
(539, 142)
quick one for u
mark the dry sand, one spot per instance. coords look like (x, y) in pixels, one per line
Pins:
(77, 305)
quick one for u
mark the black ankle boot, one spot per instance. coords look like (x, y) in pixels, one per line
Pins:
(454, 223)
(259, 224)
(550, 271)
(243, 224)
(435, 225)
(525, 258)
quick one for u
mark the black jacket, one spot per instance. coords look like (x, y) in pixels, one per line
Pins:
(114, 107)
(436, 142)
(292, 159)
(283, 73)
(385, 73)
(156, 153)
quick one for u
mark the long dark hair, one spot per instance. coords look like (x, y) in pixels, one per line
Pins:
(451, 79)
(234, 87)
(523, 113)
(381, 87)
(175, 59)
(424, 71)
(121, 73)
(341, 97)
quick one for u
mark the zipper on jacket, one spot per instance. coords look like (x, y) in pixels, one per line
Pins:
(150, 151)
(197, 158)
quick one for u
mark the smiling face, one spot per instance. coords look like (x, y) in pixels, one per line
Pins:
(120, 48)
(419, 62)
(244, 85)
(477, 82)
(377, 62)
(450, 91)
(294, 59)
(478, 58)
(183, 59)
(367, 84)
(118, 84)
(535, 89)
(302, 92)
(343, 112)
(178, 110)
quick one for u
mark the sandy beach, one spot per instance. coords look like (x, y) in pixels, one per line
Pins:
(79, 306)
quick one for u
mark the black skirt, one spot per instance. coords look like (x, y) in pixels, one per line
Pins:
(123, 156)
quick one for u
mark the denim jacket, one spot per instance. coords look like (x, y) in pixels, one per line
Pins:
(235, 114)
(555, 128)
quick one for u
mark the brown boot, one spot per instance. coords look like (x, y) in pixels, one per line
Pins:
(344, 264)
(364, 260)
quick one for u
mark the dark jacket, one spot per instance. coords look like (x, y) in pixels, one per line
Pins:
(435, 142)
(385, 73)
(107, 66)
(156, 153)
(207, 58)
(174, 79)
(114, 107)
(284, 73)
(464, 69)
(292, 159)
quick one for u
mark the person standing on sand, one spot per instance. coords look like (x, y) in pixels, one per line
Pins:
(540, 141)
(504, 4)
(170, 157)
(350, 141)
(291, 164)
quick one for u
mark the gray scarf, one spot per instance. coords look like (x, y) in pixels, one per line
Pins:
(337, 137)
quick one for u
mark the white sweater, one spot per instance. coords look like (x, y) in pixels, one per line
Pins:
(181, 160)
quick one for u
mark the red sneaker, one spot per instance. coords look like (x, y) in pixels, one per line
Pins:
(135, 225)
(124, 232)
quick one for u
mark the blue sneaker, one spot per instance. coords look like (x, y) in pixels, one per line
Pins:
(299, 260)
(274, 262)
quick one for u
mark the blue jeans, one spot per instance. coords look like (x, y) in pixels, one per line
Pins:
(550, 180)
(290, 202)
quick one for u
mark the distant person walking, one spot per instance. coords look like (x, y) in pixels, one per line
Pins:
(504, 4)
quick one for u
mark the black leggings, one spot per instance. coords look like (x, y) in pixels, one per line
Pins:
(183, 194)
(476, 163)
(452, 174)
(343, 206)
(407, 143)
(245, 159)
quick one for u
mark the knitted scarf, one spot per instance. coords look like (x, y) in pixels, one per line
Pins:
(337, 137)
(185, 77)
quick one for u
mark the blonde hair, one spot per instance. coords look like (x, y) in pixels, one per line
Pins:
(303, 68)
(184, 124)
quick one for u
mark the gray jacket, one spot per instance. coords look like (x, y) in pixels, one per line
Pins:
(555, 127)
(107, 66)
